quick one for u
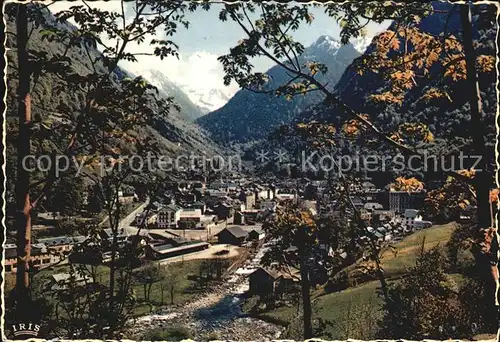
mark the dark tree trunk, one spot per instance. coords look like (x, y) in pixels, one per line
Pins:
(486, 262)
(482, 178)
(23, 219)
(150, 285)
(306, 298)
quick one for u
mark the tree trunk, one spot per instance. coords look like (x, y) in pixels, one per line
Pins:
(150, 285)
(488, 263)
(482, 178)
(114, 222)
(23, 220)
(306, 298)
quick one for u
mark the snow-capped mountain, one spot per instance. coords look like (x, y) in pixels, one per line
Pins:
(189, 110)
(249, 116)
(329, 44)
(207, 100)
(199, 96)
(361, 43)
(200, 76)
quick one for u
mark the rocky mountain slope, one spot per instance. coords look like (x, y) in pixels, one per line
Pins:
(447, 118)
(173, 135)
(190, 110)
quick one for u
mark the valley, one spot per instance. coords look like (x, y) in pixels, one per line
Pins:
(251, 171)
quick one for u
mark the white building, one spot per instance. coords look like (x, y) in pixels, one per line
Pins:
(261, 193)
(190, 214)
(286, 197)
(413, 221)
(421, 224)
(168, 216)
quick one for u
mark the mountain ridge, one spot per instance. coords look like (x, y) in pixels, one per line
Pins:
(172, 135)
(249, 116)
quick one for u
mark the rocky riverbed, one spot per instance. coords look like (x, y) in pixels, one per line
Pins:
(215, 314)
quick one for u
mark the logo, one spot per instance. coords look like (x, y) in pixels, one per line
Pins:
(25, 329)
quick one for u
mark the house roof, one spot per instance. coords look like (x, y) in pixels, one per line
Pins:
(368, 185)
(172, 207)
(236, 231)
(38, 249)
(162, 249)
(10, 251)
(271, 272)
(54, 241)
(357, 200)
(275, 273)
(109, 232)
(57, 241)
(411, 213)
(66, 276)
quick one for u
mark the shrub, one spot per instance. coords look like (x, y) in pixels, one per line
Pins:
(178, 333)
(425, 304)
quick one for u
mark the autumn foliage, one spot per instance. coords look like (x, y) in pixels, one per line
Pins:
(407, 184)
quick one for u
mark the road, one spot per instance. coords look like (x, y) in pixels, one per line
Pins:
(126, 222)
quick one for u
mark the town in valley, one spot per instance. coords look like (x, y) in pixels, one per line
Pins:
(250, 171)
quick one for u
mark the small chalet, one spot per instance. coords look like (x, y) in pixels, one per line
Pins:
(61, 281)
(270, 282)
(224, 211)
(232, 236)
(256, 235)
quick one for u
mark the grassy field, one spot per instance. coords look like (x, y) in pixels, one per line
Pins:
(354, 312)
(409, 247)
(397, 263)
(186, 285)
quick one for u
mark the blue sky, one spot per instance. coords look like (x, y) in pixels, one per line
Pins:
(197, 70)
(208, 33)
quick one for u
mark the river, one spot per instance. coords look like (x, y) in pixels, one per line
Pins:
(217, 314)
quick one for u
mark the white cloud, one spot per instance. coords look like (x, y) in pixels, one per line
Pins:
(200, 69)
(199, 75)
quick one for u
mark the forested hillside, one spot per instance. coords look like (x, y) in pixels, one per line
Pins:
(54, 105)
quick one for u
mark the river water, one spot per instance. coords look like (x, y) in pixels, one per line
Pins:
(217, 314)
